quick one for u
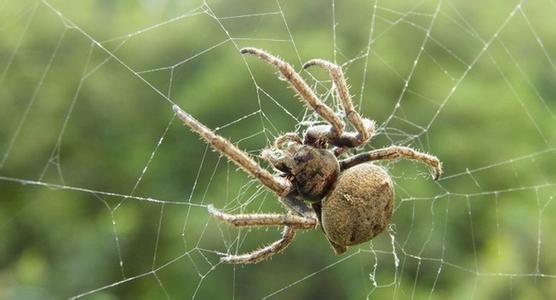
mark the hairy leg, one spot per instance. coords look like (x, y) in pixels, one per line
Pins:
(279, 185)
(263, 253)
(250, 220)
(364, 127)
(316, 135)
(300, 86)
(394, 152)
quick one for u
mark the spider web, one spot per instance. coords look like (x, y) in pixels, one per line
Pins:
(104, 193)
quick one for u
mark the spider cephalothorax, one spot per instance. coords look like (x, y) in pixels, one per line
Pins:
(312, 170)
(352, 199)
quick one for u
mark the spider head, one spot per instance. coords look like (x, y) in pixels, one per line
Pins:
(313, 170)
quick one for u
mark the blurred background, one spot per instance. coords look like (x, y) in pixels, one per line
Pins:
(103, 193)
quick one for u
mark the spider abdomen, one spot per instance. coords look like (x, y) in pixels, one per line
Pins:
(360, 205)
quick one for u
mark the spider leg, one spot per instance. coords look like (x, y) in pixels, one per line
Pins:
(301, 88)
(289, 221)
(394, 152)
(315, 134)
(364, 127)
(249, 220)
(279, 185)
(264, 253)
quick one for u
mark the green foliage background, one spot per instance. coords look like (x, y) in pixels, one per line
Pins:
(483, 232)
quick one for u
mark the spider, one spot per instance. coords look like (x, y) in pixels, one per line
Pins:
(351, 199)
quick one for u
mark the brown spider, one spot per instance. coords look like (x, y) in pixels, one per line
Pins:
(352, 199)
